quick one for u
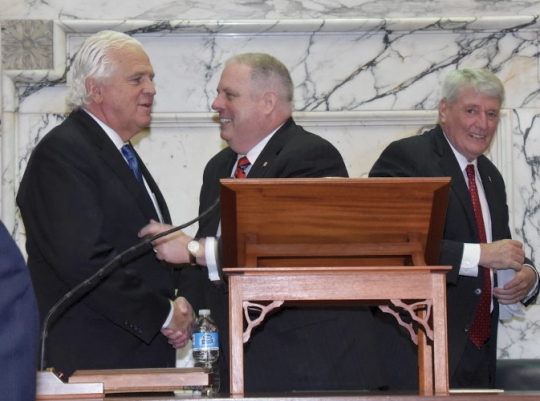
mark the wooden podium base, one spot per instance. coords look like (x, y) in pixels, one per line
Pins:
(92, 383)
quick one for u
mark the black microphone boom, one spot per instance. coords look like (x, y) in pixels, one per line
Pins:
(88, 284)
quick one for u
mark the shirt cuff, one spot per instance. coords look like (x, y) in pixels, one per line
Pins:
(532, 292)
(211, 260)
(169, 318)
(470, 259)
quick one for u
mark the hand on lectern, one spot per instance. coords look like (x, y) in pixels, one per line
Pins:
(178, 332)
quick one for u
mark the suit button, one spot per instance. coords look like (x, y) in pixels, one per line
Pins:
(466, 329)
(129, 324)
(478, 291)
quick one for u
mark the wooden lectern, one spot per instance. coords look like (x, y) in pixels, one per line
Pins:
(327, 239)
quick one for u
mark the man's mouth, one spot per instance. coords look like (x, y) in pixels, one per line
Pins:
(477, 136)
(225, 120)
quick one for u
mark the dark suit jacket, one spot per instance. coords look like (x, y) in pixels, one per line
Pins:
(81, 206)
(19, 327)
(430, 155)
(318, 348)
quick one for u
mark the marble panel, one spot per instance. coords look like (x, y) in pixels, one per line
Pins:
(359, 82)
(262, 9)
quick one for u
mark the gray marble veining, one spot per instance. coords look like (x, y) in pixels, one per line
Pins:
(360, 82)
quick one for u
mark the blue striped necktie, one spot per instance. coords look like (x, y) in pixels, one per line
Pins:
(129, 154)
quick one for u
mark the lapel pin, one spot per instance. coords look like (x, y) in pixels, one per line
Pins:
(489, 178)
(265, 164)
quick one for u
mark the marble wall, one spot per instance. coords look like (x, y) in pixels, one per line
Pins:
(365, 73)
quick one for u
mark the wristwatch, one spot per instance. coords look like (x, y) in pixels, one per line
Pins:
(193, 248)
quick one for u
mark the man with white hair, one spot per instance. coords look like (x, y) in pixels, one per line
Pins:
(83, 197)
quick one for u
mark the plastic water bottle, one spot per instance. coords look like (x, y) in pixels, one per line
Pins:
(206, 347)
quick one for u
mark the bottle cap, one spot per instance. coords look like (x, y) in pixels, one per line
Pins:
(204, 312)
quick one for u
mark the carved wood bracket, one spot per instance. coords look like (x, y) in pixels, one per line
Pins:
(264, 309)
(422, 317)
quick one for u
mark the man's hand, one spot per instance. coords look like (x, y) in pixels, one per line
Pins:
(503, 254)
(171, 248)
(178, 332)
(518, 288)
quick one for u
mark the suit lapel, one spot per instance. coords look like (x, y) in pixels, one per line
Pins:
(111, 157)
(223, 168)
(271, 151)
(141, 194)
(493, 197)
(155, 189)
(450, 168)
(228, 163)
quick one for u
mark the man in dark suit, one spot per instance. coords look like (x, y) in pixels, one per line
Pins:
(468, 119)
(83, 201)
(19, 327)
(297, 349)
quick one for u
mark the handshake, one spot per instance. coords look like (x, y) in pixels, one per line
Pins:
(178, 331)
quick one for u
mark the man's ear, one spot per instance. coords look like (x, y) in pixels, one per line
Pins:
(443, 104)
(269, 101)
(94, 90)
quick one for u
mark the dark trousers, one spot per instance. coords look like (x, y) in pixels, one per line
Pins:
(474, 369)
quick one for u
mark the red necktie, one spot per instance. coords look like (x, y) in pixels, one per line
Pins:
(480, 329)
(241, 166)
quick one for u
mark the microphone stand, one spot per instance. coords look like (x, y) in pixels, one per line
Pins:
(87, 284)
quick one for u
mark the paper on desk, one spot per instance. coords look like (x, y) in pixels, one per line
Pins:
(507, 311)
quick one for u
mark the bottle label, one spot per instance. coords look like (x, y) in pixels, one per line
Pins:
(205, 341)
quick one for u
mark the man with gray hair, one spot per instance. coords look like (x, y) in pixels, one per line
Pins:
(476, 240)
(83, 198)
(298, 349)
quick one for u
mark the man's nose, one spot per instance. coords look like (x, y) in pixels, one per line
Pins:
(217, 104)
(482, 120)
(149, 87)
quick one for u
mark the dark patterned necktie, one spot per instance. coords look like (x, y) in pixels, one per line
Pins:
(241, 166)
(480, 329)
(129, 154)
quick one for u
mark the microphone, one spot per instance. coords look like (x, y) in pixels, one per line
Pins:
(88, 284)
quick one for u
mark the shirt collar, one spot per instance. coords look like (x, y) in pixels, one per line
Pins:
(463, 162)
(115, 138)
(254, 153)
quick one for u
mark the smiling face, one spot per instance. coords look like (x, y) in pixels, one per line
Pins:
(124, 100)
(470, 122)
(241, 108)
